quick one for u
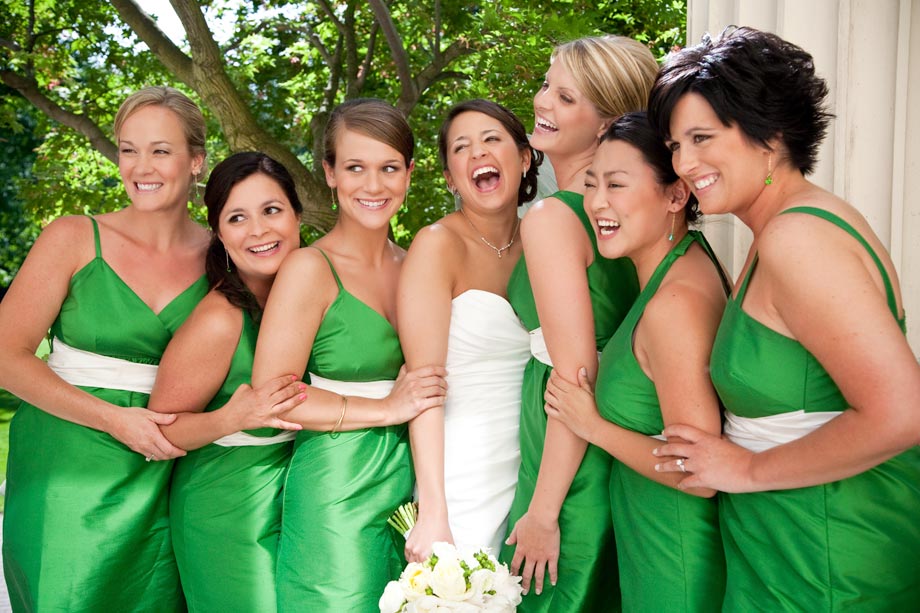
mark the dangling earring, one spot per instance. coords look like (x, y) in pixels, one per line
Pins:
(335, 205)
(769, 179)
(457, 196)
(228, 259)
(673, 221)
(404, 208)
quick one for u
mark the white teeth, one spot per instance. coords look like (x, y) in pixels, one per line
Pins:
(607, 226)
(372, 204)
(481, 171)
(702, 183)
(543, 123)
(264, 248)
(148, 187)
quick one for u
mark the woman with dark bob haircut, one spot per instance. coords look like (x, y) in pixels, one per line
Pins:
(819, 460)
(669, 559)
(454, 311)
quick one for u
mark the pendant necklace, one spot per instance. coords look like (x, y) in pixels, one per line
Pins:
(497, 250)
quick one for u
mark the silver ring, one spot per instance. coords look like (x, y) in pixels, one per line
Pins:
(149, 458)
(680, 465)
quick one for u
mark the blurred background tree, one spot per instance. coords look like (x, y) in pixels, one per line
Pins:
(267, 73)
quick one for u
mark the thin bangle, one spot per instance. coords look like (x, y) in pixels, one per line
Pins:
(334, 433)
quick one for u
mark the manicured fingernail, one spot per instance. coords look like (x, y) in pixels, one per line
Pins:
(302, 397)
(293, 377)
(655, 451)
(538, 591)
(658, 467)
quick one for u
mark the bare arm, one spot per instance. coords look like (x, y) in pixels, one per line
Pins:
(832, 303)
(195, 366)
(303, 290)
(558, 252)
(27, 312)
(425, 293)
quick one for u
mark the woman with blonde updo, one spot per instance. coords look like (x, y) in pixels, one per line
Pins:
(571, 300)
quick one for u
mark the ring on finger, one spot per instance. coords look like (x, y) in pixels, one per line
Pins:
(680, 465)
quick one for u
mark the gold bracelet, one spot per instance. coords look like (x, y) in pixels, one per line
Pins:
(334, 433)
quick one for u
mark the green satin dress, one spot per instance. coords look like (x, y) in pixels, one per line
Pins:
(85, 526)
(587, 561)
(225, 509)
(337, 551)
(850, 545)
(668, 544)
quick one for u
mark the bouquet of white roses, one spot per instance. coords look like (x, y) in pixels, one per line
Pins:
(449, 582)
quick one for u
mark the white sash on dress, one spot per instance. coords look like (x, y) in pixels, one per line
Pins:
(761, 433)
(88, 369)
(538, 347)
(364, 389)
(242, 439)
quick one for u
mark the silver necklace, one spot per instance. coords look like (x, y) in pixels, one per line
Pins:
(497, 250)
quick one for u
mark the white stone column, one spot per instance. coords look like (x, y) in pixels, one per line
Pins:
(869, 53)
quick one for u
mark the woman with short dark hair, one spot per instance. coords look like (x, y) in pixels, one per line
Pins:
(819, 459)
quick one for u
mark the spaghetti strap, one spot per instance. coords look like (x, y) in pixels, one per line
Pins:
(332, 268)
(700, 239)
(96, 237)
(845, 226)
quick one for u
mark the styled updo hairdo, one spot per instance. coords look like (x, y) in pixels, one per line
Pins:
(528, 188)
(188, 112)
(636, 130)
(615, 73)
(757, 80)
(371, 117)
(225, 176)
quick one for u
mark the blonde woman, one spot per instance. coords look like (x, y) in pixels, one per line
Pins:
(571, 300)
(85, 524)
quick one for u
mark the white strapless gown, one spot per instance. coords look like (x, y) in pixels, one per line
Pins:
(487, 350)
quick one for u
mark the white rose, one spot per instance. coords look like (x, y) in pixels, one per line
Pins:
(427, 604)
(447, 580)
(445, 551)
(415, 580)
(480, 583)
(506, 585)
(392, 599)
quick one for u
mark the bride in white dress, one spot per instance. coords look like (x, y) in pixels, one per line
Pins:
(453, 311)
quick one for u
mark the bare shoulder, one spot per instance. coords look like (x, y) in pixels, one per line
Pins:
(438, 238)
(214, 317)
(546, 212)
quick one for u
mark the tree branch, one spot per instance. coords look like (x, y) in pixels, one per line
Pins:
(146, 28)
(435, 70)
(330, 13)
(81, 123)
(408, 95)
(368, 57)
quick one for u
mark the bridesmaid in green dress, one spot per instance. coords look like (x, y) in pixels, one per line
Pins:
(571, 300)
(85, 524)
(653, 372)
(819, 462)
(331, 314)
(225, 495)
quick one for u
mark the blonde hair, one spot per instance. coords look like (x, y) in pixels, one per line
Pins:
(188, 112)
(615, 73)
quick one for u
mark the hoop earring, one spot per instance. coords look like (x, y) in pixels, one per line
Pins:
(769, 179)
(335, 205)
(673, 222)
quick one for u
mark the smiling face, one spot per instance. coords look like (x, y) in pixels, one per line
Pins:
(566, 123)
(154, 160)
(629, 209)
(370, 178)
(723, 167)
(258, 227)
(484, 163)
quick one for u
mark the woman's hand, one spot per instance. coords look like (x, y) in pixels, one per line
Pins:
(265, 406)
(139, 430)
(415, 392)
(572, 404)
(537, 550)
(424, 534)
(709, 460)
